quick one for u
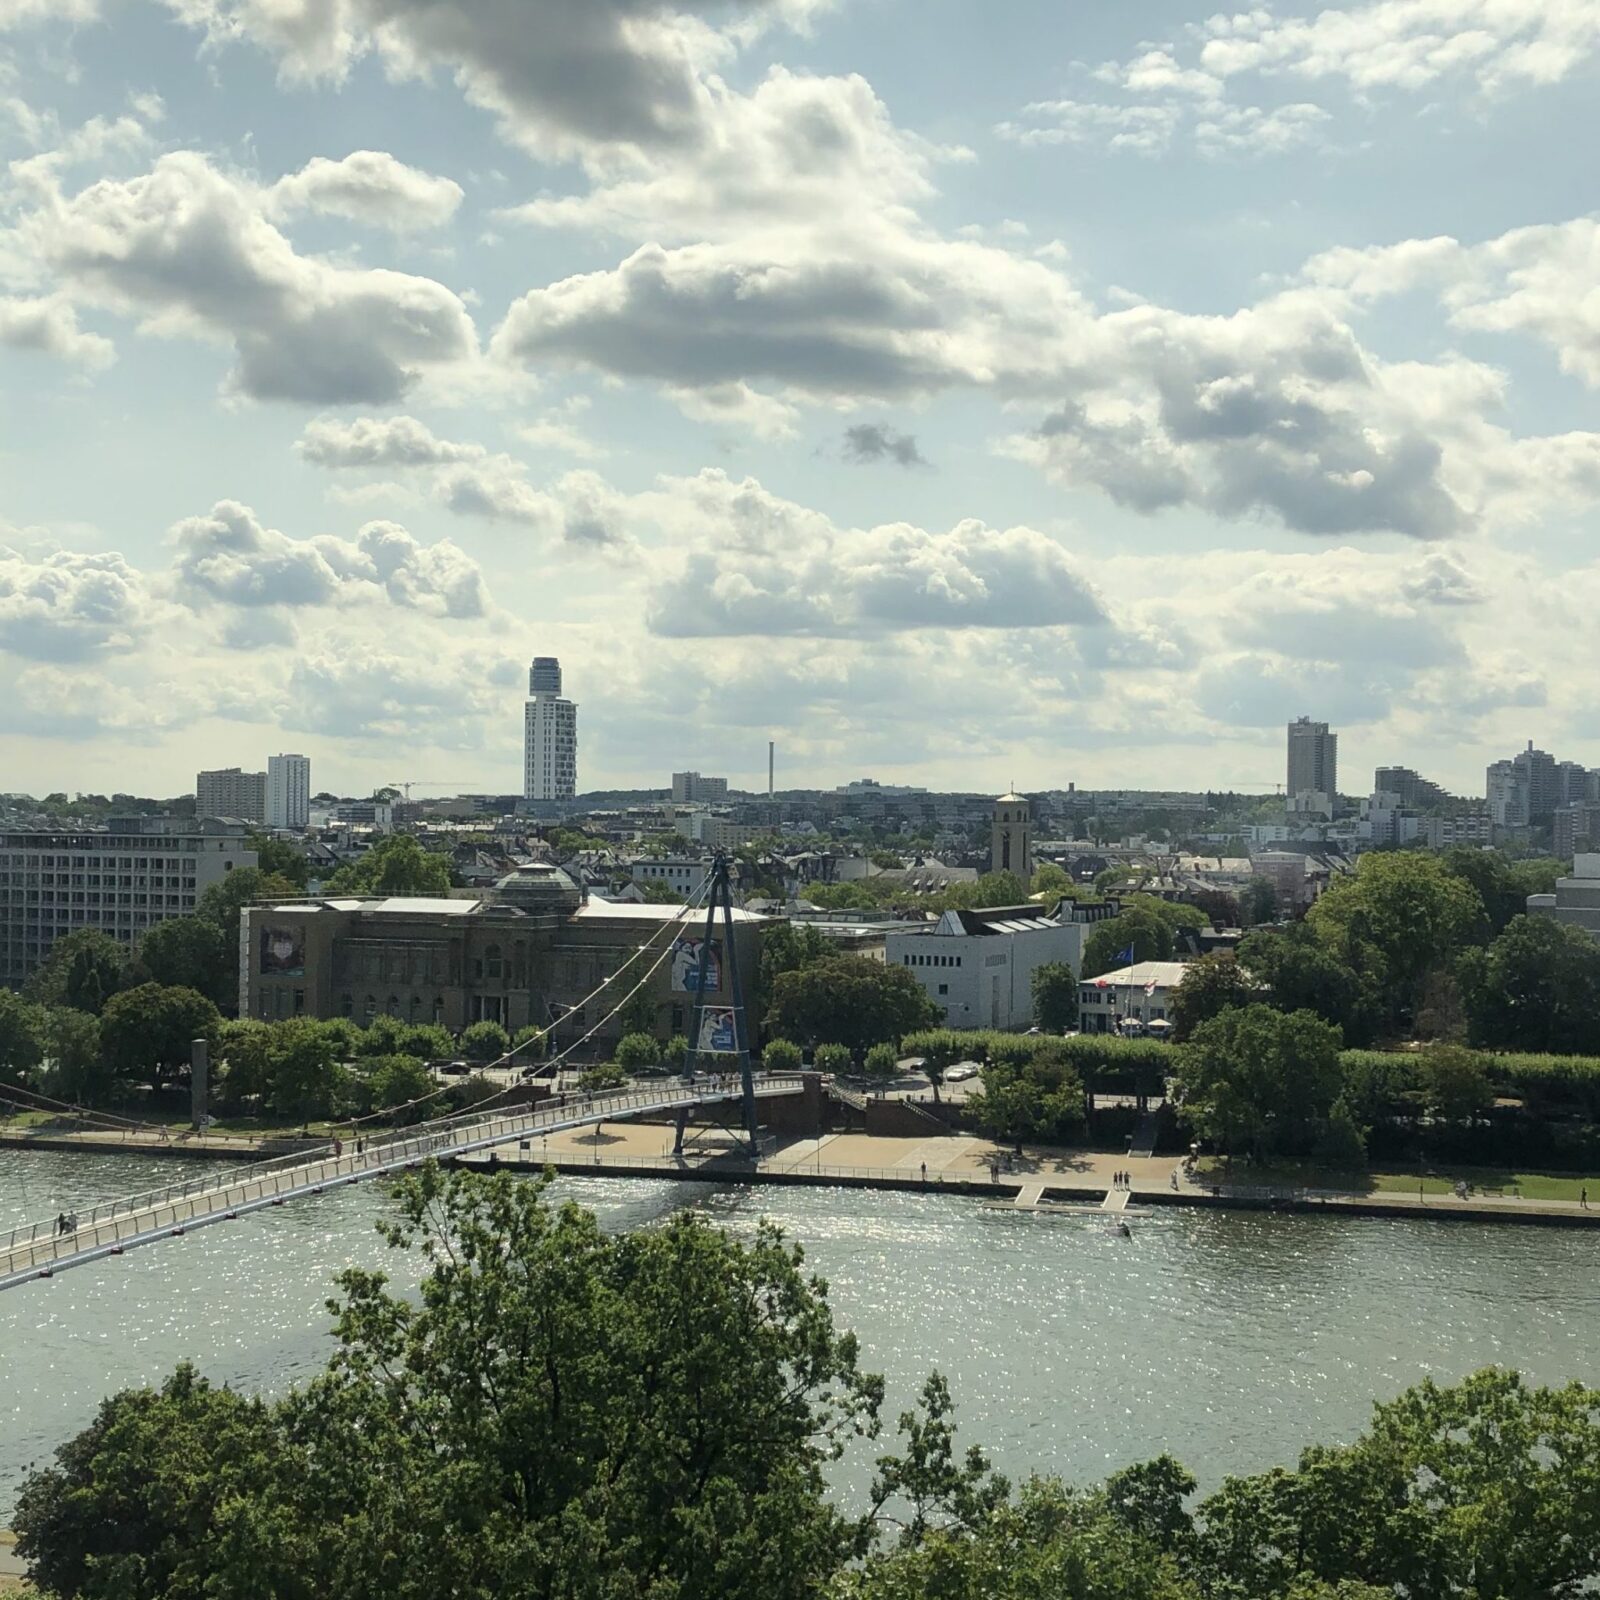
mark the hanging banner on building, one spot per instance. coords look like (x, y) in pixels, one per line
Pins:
(686, 966)
(718, 1037)
(283, 953)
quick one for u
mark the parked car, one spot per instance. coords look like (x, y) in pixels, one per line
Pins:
(456, 1069)
(961, 1071)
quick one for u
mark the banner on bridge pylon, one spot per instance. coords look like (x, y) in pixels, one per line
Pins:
(718, 1036)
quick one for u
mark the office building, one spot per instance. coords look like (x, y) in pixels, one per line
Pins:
(137, 873)
(978, 966)
(1011, 837)
(689, 788)
(531, 950)
(289, 792)
(549, 736)
(228, 792)
(1313, 766)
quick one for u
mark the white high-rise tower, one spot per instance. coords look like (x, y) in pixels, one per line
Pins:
(288, 791)
(549, 735)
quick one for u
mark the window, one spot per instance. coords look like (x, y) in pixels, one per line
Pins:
(491, 961)
(944, 988)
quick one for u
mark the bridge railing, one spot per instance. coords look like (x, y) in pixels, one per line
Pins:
(381, 1150)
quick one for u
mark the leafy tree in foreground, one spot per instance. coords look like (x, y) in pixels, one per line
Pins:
(1536, 988)
(636, 1050)
(191, 953)
(74, 1068)
(1210, 986)
(148, 1032)
(21, 1038)
(484, 1041)
(223, 901)
(1040, 1097)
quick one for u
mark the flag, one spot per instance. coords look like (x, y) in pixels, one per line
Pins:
(1126, 955)
(1150, 988)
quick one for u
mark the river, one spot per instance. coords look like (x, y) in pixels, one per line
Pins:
(1230, 1339)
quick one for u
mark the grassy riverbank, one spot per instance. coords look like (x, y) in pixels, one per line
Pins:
(1431, 1180)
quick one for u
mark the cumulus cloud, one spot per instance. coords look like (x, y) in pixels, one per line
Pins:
(866, 442)
(587, 78)
(188, 249)
(50, 326)
(66, 606)
(229, 557)
(367, 186)
(380, 442)
(760, 565)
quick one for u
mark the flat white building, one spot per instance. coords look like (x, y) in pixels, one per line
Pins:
(684, 876)
(139, 872)
(1576, 900)
(689, 787)
(1140, 993)
(289, 792)
(549, 736)
(978, 966)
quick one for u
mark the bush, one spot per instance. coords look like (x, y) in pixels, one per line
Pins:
(782, 1055)
(485, 1041)
(469, 1092)
(883, 1062)
(529, 1043)
(604, 1075)
(675, 1052)
(831, 1058)
(636, 1050)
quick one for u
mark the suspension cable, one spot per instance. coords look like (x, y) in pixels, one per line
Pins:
(509, 1057)
(50, 1104)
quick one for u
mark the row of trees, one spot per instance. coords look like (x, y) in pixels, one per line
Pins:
(574, 1414)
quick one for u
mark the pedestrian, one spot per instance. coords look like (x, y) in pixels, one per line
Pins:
(61, 1223)
(1583, 1198)
(925, 1173)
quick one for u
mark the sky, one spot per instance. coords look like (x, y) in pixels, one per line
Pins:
(971, 396)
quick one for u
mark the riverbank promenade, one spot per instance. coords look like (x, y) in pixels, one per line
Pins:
(1041, 1178)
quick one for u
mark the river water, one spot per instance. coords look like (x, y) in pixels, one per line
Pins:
(1230, 1339)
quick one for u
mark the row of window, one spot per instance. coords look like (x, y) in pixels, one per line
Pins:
(91, 897)
(932, 961)
(21, 858)
(96, 880)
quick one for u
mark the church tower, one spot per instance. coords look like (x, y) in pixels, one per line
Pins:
(1011, 847)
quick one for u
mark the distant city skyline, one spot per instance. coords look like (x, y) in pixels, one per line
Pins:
(1179, 375)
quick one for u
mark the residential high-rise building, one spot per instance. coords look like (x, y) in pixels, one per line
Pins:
(289, 791)
(229, 792)
(1413, 789)
(690, 787)
(1506, 789)
(549, 736)
(123, 881)
(1313, 761)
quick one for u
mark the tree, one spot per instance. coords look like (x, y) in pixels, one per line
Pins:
(1454, 1085)
(83, 971)
(149, 1031)
(565, 1412)
(191, 953)
(834, 1058)
(1302, 974)
(395, 865)
(22, 1026)
(244, 1062)
(1054, 988)
(938, 1049)
(848, 1000)
(304, 1076)
(1039, 1098)
(485, 1041)
(74, 1068)
(657, 893)
(882, 1063)
(280, 858)
(1258, 902)
(602, 1075)
(786, 947)
(397, 1081)
(224, 900)
(1260, 1082)
(1050, 880)
(1536, 988)
(1405, 908)
(637, 1050)
(676, 1051)
(1139, 931)
(1210, 986)
(782, 1055)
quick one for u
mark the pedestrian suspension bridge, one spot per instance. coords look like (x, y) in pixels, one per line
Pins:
(42, 1249)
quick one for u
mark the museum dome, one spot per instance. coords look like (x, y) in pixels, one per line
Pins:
(538, 888)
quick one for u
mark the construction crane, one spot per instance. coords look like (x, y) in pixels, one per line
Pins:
(423, 783)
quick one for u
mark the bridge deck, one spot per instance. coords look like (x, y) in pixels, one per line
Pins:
(39, 1250)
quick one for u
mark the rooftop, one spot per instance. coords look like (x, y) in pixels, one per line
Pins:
(1163, 974)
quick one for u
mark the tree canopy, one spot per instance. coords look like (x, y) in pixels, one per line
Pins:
(395, 865)
(848, 1000)
(1537, 987)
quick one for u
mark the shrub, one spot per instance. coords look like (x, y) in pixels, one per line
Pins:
(781, 1055)
(883, 1061)
(636, 1050)
(485, 1041)
(675, 1052)
(832, 1058)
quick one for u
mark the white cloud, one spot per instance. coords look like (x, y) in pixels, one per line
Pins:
(380, 442)
(188, 249)
(367, 186)
(229, 557)
(49, 325)
(21, 13)
(65, 606)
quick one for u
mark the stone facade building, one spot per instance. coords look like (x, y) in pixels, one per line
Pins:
(530, 952)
